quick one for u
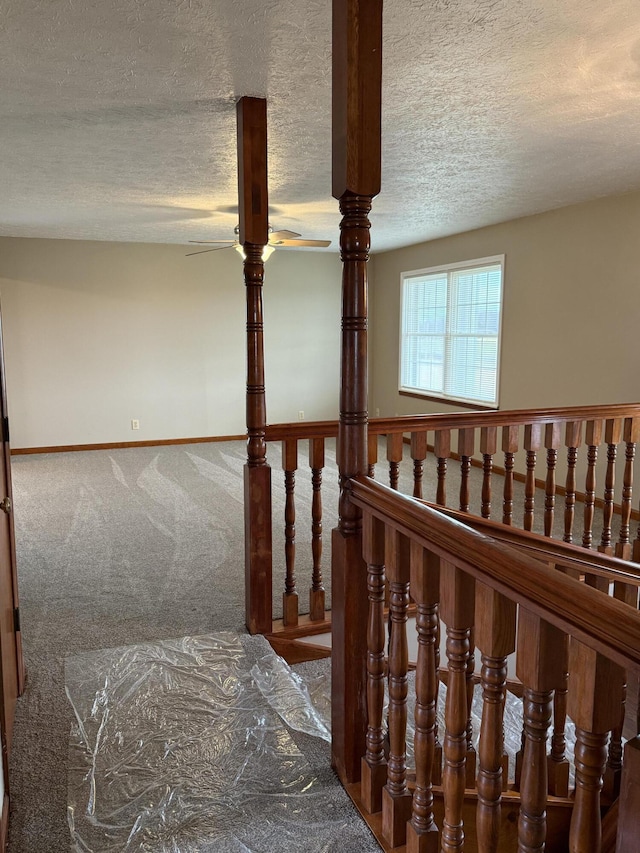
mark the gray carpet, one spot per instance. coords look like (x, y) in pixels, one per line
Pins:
(134, 545)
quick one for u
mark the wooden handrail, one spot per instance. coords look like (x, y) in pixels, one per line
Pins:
(457, 420)
(562, 553)
(603, 624)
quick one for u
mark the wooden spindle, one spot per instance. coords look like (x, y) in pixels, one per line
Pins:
(594, 706)
(356, 168)
(290, 594)
(470, 765)
(457, 609)
(396, 799)
(253, 207)
(495, 635)
(552, 438)
(631, 436)
(316, 592)
(509, 448)
(418, 454)
(372, 453)
(422, 832)
(374, 763)
(557, 763)
(532, 443)
(466, 446)
(593, 438)
(627, 835)
(572, 441)
(539, 667)
(395, 449)
(488, 447)
(613, 772)
(612, 437)
(442, 452)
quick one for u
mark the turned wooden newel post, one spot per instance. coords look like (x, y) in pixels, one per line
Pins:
(254, 228)
(357, 79)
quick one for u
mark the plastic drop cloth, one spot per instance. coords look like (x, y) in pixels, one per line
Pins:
(181, 747)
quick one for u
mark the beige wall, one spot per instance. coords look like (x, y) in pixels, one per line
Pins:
(96, 334)
(571, 307)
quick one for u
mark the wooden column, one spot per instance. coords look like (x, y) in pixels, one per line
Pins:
(316, 593)
(253, 206)
(629, 799)
(357, 85)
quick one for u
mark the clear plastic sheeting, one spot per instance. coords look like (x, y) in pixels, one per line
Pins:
(176, 749)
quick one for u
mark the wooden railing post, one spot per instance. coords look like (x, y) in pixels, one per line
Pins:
(457, 610)
(422, 832)
(552, 439)
(356, 124)
(627, 841)
(539, 667)
(496, 638)
(612, 436)
(374, 763)
(254, 233)
(290, 594)
(595, 699)
(532, 443)
(396, 798)
(593, 437)
(509, 448)
(488, 447)
(631, 437)
(573, 436)
(316, 592)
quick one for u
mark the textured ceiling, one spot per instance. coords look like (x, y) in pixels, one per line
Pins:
(118, 116)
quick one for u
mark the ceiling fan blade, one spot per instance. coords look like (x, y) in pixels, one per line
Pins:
(276, 237)
(217, 242)
(204, 251)
(318, 243)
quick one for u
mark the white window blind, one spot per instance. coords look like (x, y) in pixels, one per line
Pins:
(450, 335)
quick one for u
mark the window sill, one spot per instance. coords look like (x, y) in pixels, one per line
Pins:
(485, 407)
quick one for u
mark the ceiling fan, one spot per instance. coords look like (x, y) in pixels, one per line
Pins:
(277, 239)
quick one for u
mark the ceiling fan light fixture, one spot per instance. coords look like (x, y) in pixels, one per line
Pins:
(267, 251)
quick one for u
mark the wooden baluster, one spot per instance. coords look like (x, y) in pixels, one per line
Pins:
(457, 609)
(509, 448)
(466, 446)
(532, 443)
(613, 773)
(395, 449)
(436, 775)
(593, 438)
(627, 838)
(356, 145)
(442, 451)
(253, 207)
(557, 763)
(422, 832)
(539, 667)
(374, 763)
(594, 706)
(418, 454)
(612, 437)
(572, 442)
(631, 436)
(396, 799)
(316, 592)
(495, 635)
(552, 443)
(290, 594)
(488, 447)
(372, 453)
(470, 766)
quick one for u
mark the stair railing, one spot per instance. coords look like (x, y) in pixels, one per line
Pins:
(503, 600)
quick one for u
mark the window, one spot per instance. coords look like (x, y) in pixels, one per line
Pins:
(450, 331)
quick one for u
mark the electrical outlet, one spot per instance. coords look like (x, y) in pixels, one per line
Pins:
(135, 423)
(377, 413)
(300, 415)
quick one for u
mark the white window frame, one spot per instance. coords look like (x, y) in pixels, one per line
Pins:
(448, 268)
